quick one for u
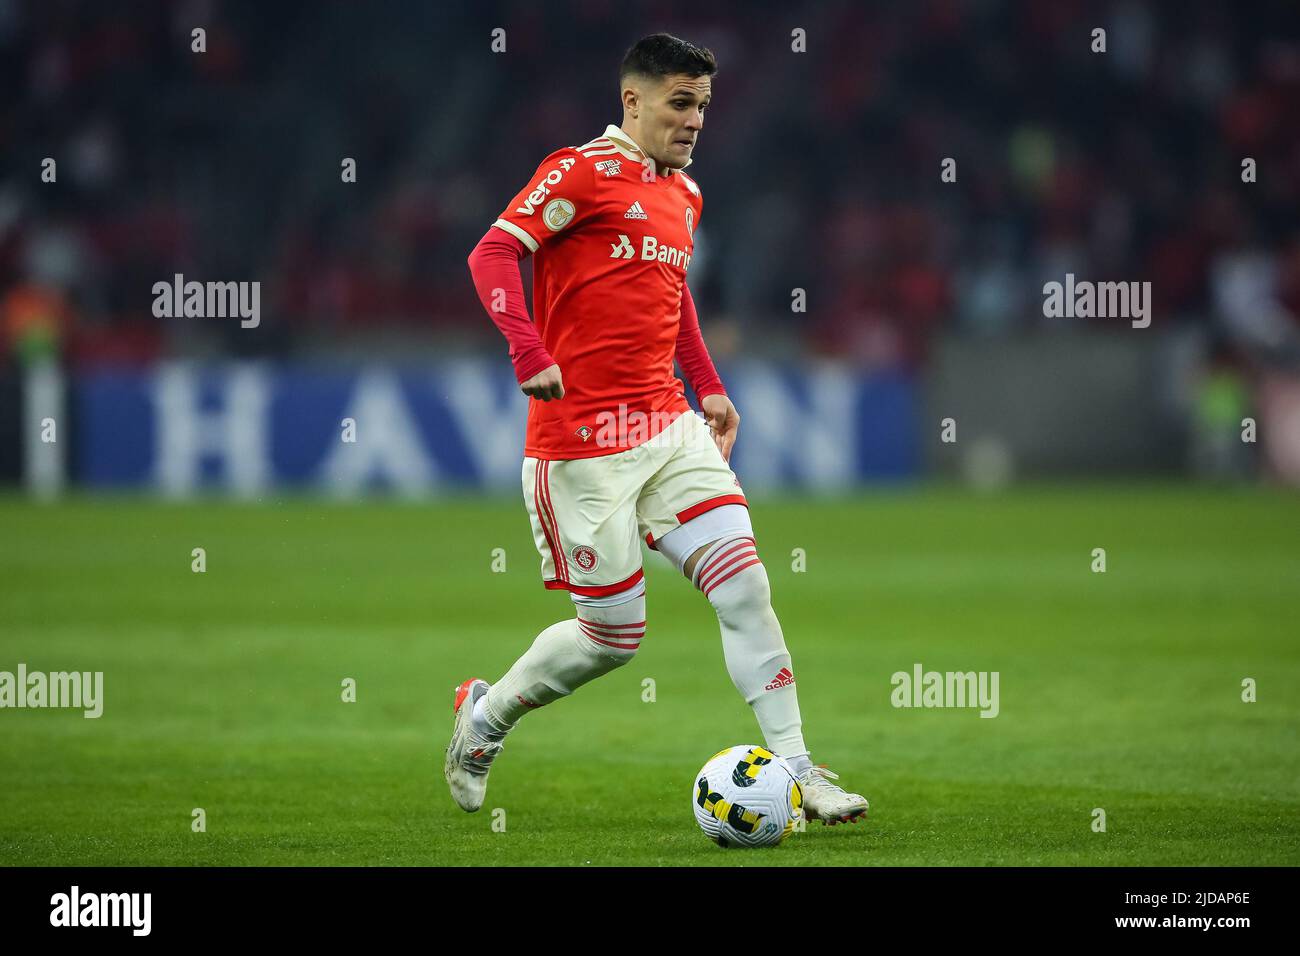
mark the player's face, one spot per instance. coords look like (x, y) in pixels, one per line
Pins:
(673, 116)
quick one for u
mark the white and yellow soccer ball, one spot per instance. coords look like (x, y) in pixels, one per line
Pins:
(747, 797)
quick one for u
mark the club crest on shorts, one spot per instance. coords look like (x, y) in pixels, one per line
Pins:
(584, 433)
(585, 558)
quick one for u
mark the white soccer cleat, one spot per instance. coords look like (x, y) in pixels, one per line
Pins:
(829, 802)
(470, 753)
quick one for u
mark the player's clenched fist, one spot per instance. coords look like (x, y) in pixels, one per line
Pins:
(724, 420)
(545, 385)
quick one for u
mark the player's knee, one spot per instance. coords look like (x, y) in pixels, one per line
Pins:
(745, 599)
(733, 578)
(613, 631)
(616, 644)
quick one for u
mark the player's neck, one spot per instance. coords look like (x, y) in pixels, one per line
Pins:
(633, 134)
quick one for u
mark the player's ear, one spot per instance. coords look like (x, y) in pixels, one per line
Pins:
(636, 91)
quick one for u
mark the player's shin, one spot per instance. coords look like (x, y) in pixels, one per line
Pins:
(564, 657)
(735, 582)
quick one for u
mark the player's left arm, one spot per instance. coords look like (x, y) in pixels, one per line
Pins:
(693, 357)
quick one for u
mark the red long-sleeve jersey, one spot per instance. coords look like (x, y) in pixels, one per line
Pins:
(611, 248)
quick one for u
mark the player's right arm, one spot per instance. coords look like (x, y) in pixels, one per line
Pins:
(556, 199)
(494, 264)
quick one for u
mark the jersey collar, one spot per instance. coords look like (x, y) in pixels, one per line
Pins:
(628, 147)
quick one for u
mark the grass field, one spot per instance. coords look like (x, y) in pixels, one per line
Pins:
(1119, 690)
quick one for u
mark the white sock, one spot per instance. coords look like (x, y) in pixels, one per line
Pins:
(800, 764)
(734, 580)
(482, 722)
(564, 657)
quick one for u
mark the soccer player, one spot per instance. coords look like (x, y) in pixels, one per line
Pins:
(613, 453)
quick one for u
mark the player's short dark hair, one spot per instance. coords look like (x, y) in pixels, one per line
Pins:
(662, 54)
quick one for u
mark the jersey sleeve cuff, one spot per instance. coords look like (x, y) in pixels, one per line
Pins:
(518, 233)
(530, 363)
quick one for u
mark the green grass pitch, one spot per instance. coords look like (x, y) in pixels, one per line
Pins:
(1120, 690)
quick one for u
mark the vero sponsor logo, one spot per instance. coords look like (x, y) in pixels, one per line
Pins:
(543, 187)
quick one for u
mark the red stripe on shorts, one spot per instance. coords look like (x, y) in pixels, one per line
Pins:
(598, 590)
(708, 504)
(541, 518)
(553, 528)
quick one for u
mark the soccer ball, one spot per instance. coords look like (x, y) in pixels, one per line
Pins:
(747, 797)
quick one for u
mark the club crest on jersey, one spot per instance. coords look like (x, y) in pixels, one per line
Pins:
(585, 558)
(557, 214)
(690, 222)
(610, 167)
(584, 433)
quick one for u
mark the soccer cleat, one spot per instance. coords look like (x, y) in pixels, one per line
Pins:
(829, 802)
(470, 753)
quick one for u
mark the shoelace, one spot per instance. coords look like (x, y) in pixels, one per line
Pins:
(480, 755)
(825, 775)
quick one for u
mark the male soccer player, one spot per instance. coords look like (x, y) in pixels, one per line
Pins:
(613, 453)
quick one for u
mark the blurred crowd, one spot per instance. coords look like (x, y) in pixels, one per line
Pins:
(821, 170)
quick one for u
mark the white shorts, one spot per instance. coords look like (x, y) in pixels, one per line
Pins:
(590, 515)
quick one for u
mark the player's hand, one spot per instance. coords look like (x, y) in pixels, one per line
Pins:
(723, 419)
(545, 385)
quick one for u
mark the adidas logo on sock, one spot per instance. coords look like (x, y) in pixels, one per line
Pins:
(783, 678)
(635, 211)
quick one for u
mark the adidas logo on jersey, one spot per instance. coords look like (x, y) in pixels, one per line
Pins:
(635, 211)
(651, 249)
(783, 678)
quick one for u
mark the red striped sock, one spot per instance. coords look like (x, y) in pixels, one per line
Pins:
(723, 561)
